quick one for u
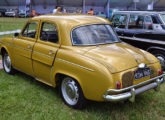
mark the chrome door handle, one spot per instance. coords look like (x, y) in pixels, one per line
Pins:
(51, 52)
(29, 46)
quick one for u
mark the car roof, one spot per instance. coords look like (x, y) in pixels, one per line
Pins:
(72, 19)
(67, 22)
(140, 12)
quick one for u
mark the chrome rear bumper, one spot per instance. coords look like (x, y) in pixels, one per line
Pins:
(132, 91)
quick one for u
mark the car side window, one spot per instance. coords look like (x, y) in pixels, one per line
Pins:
(49, 33)
(136, 22)
(148, 23)
(30, 30)
(119, 21)
(155, 21)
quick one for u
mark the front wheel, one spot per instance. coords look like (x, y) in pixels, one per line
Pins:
(161, 57)
(6, 61)
(72, 94)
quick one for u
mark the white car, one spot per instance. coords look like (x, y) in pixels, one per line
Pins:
(10, 13)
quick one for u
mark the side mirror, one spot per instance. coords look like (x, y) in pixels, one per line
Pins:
(16, 34)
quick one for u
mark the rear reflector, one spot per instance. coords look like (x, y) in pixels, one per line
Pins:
(118, 85)
(160, 72)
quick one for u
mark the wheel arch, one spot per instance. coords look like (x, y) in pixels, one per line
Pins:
(151, 49)
(60, 76)
(3, 48)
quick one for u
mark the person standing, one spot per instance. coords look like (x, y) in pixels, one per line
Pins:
(34, 12)
(91, 12)
(55, 10)
(59, 9)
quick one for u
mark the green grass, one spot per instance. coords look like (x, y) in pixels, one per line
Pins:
(9, 24)
(24, 98)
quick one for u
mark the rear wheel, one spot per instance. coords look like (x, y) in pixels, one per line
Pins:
(6, 61)
(161, 57)
(72, 94)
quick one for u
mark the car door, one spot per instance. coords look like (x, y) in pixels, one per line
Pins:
(23, 46)
(147, 31)
(45, 51)
(119, 22)
(135, 28)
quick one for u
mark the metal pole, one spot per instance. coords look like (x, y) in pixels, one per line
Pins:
(135, 5)
(108, 6)
(83, 6)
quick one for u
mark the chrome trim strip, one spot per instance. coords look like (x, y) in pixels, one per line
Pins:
(30, 50)
(143, 40)
(18, 47)
(43, 54)
(130, 92)
(74, 64)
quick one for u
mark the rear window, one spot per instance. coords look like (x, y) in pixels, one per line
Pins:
(94, 35)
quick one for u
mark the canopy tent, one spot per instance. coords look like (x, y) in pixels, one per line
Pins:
(46, 6)
(76, 3)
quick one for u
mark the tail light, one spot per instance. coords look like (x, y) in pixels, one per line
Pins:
(160, 72)
(118, 85)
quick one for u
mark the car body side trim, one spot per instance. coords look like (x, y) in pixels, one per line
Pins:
(29, 50)
(74, 64)
(18, 47)
(142, 40)
(157, 48)
(43, 54)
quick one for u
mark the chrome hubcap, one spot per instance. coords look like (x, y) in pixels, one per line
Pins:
(162, 61)
(70, 91)
(7, 63)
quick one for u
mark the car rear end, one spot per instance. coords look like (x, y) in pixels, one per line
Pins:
(135, 81)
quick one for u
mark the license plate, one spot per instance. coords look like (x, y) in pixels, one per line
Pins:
(141, 73)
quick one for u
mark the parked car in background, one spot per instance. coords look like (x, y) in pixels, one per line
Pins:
(111, 11)
(101, 14)
(84, 57)
(142, 29)
(10, 13)
(23, 14)
(2, 12)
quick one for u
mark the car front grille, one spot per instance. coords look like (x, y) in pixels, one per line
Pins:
(127, 79)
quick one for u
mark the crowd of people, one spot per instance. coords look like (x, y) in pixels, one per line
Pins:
(59, 9)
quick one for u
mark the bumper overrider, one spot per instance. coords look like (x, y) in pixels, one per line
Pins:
(132, 91)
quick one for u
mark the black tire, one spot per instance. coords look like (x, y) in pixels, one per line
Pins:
(161, 57)
(7, 65)
(73, 100)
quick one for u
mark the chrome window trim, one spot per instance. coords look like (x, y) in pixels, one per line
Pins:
(59, 59)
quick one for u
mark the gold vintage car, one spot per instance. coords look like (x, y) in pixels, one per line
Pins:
(83, 56)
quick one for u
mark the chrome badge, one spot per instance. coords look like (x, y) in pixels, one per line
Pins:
(142, 65)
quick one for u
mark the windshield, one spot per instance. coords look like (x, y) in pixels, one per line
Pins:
(163, 17)
(94, 35)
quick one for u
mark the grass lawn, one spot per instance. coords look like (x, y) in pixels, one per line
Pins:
(23, 98)
(9, 24)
